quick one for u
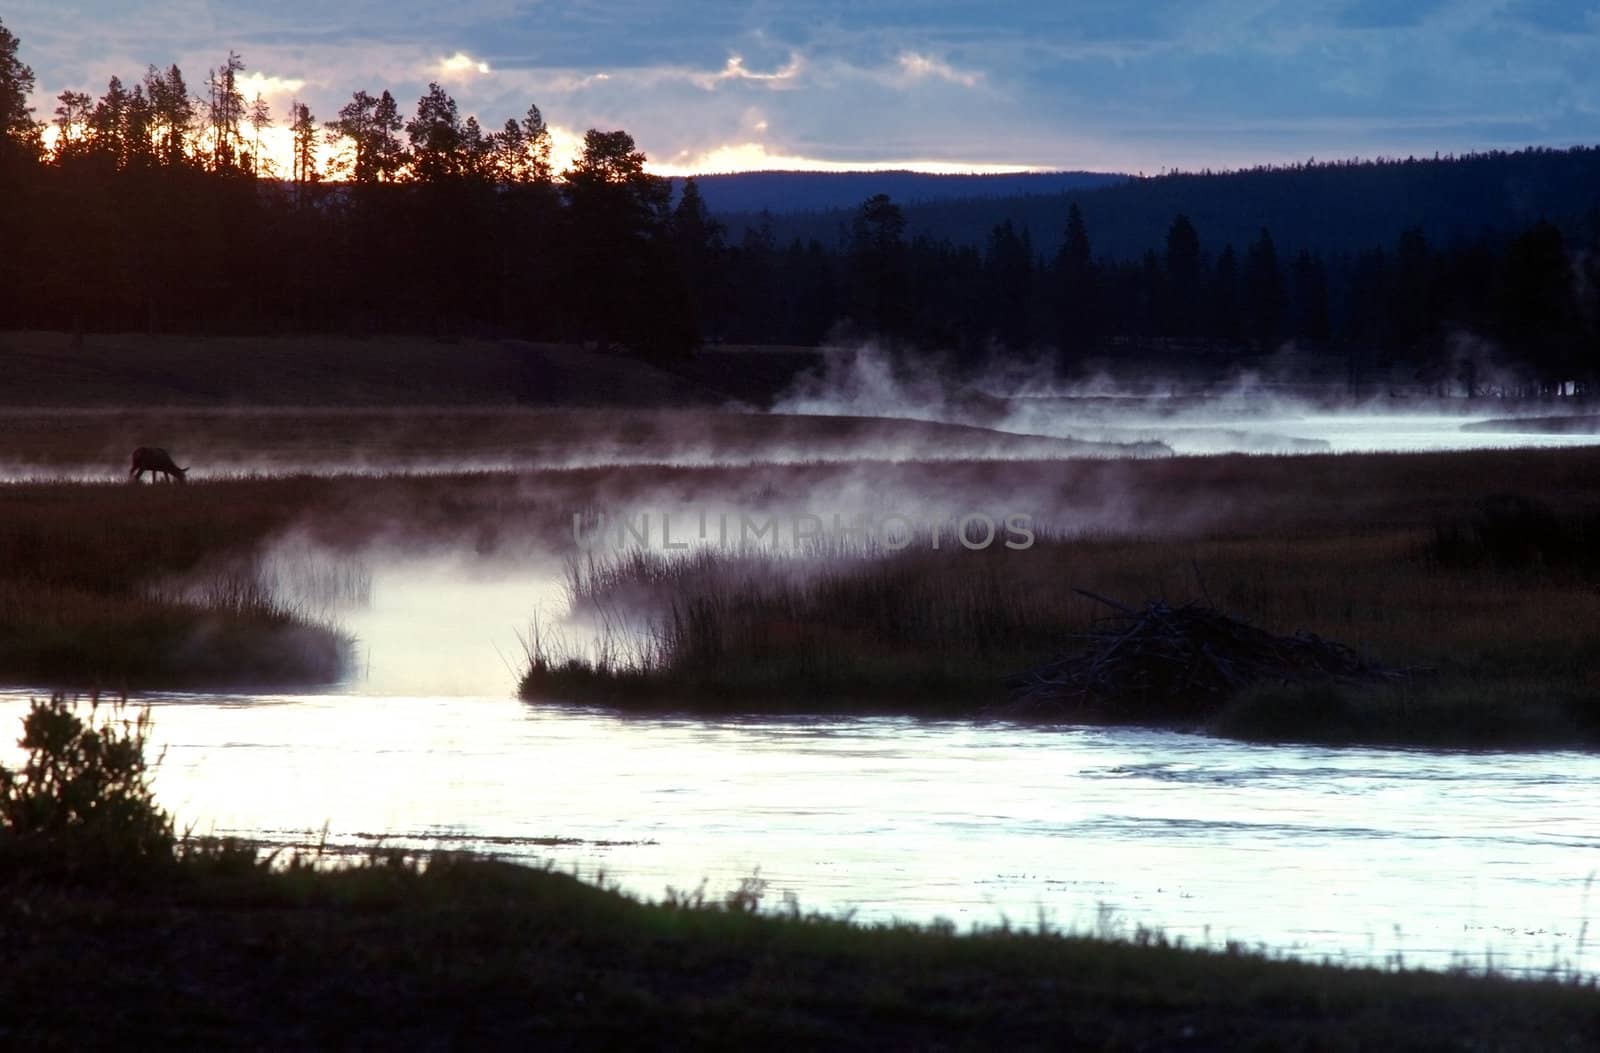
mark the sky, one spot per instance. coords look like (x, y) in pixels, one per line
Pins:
(710, 85)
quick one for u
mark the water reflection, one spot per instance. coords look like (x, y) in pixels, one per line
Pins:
(1360, 855)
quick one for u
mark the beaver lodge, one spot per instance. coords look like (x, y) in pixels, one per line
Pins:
(1175, 663)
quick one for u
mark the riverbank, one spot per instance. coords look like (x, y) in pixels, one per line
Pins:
(466, 952)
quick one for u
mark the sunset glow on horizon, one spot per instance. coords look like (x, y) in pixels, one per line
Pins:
(754, 157)
(276, 145)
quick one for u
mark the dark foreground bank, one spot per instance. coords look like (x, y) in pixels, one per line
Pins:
(472, 954)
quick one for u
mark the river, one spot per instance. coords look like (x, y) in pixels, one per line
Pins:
(1358, 855)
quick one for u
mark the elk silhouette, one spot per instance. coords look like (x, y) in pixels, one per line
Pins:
(156, 461)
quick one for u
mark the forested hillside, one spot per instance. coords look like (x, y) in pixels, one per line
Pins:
(1325, 207)
(841, 192)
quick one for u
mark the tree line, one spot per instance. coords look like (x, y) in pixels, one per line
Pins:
(1331, 206)
(156, 207)
(1526, 300)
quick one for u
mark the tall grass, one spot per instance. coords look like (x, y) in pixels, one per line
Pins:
(1502, 656)
(1518, 532)
(124, 586)
(841, 628)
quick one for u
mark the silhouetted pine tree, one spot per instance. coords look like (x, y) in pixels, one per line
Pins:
(701, 257)
(622, 284)
(1538, 315)
(1265, 302)
(1181, 314)
(1225, 317)
(1008, 287)
(1078, 315)
(756, 307)
(878, 266)
(1311, 321)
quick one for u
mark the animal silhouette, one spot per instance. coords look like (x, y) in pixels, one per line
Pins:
(156, 461)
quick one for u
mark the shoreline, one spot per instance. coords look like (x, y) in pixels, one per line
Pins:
(463, 950)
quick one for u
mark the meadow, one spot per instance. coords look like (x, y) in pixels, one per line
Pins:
(1408, 558)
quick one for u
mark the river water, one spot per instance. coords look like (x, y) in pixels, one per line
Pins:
(1358, 855)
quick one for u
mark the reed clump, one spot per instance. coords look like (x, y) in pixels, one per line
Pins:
(1509, 655)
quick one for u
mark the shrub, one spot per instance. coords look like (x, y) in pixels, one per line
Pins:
(82, 801)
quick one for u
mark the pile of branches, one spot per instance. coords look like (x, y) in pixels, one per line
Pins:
(1175, 663)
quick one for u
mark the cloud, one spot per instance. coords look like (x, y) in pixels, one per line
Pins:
(255, 83)
(735, 70)
(916, 67)
(568, 83)
(1094, 83)
(648, 77)
(565, 147)
(460, 67)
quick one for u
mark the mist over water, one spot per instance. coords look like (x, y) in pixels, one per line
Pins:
(862, 404)
(447, 627)
(1247, 412)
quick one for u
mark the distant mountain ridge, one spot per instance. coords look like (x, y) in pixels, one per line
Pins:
(781, 192)
(1333, 207)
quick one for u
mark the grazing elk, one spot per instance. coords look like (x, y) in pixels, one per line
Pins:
(156, 461)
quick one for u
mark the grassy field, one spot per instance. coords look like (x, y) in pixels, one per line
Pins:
(121, 934)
